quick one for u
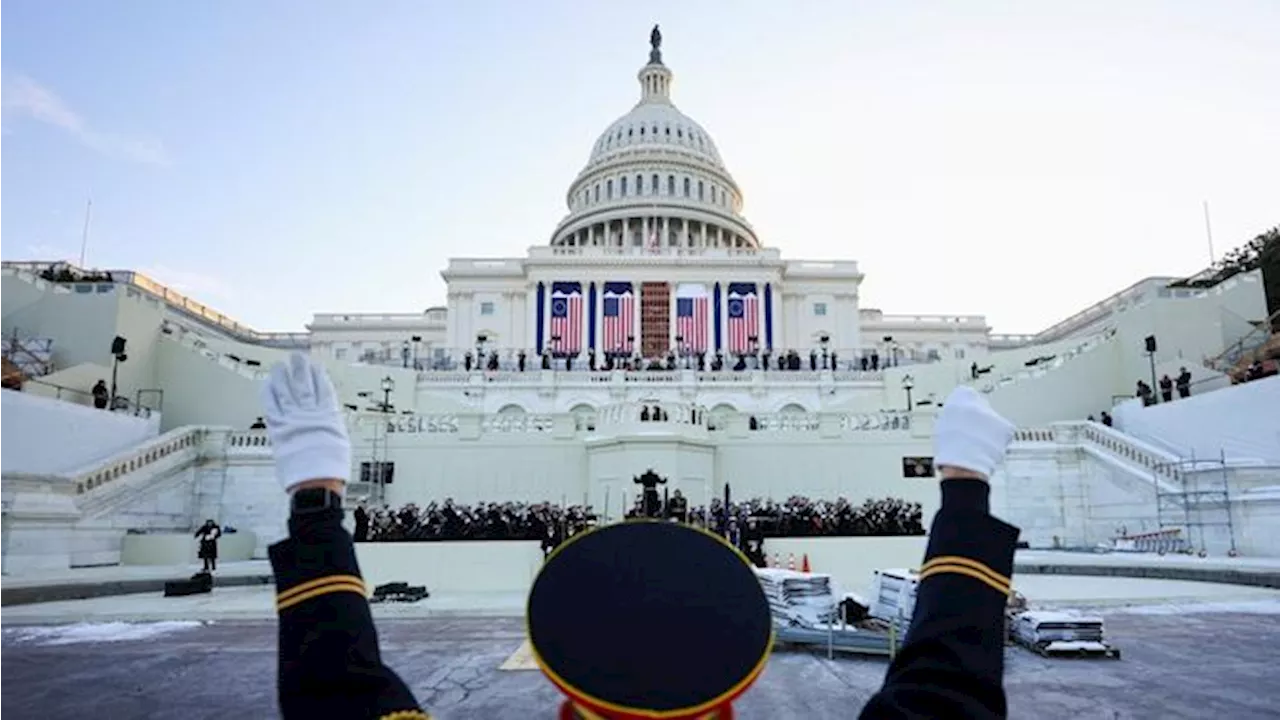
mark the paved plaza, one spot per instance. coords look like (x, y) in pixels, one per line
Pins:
(1201, 665)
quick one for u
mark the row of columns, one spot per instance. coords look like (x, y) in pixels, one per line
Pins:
(687, 234)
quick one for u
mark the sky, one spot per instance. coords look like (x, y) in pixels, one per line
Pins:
(1017, 159)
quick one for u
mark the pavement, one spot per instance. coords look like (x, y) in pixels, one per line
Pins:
(1192, 666)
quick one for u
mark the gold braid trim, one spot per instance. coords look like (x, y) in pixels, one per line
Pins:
(969, 567)
(405, 715)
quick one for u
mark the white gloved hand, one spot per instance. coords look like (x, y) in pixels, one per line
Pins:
(308, 435)
(970, 435)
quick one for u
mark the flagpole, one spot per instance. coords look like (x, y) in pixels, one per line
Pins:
(1208, 231)
(84, 234)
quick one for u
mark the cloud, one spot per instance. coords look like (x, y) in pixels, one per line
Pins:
(28, 98)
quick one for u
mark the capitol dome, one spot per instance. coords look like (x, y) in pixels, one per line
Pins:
(655, 179)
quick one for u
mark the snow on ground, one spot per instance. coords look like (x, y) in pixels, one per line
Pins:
(1246, 607)
(96, 632)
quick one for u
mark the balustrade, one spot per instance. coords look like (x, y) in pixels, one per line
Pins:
(148, 454)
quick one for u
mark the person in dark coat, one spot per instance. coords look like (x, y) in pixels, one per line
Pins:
(950, 665)
(361, 516)
(208, 535)
(101, 395)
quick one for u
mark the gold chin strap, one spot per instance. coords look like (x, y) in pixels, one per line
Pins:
(583, 713)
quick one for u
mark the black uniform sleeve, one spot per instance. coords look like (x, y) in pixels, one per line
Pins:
(330, 666)
(952, 663)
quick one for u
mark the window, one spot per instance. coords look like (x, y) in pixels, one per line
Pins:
(668, 129)
(486, 308)
(680, 133)
(639, 184)
(671, 184)
(686, 187)
(654, 187)
(713, 193)
(959, 353)
(641, 132)
(820, 309)
(340, 353)
(622, 187)
(597, 192)
(700, 188)
(608, 189)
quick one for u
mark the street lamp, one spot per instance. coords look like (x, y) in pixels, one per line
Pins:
(117, 356)
(907, 383)
(388, 386)
(404, 354)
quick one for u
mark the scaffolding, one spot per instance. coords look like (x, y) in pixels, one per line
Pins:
(1199, 502)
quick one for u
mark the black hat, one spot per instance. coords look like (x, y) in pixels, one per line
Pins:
(649, 619)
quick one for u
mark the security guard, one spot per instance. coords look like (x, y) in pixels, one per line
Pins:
(687, 626)
(329, 664)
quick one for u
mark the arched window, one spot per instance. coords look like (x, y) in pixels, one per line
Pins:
(654, 187)
(713, 193)
(642, 131)
(622, 187)
(686, 187)
(597, 192)
(700, 188)
(671, 184)
(639, 184)
(608, 189)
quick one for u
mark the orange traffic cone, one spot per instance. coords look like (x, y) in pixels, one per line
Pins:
(804, 564)
(791, 561)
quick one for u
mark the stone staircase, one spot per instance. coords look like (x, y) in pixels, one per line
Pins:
(167, 484)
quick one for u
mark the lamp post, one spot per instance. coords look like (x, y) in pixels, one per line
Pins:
(907, 384)
(388, 384)
(117, 356)
(404, 354)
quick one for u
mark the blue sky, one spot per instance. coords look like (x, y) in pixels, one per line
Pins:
(279, 158)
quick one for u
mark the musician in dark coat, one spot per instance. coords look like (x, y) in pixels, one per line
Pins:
(208, 535)
(695, 587)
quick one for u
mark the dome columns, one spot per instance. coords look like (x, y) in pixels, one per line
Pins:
(640, 233)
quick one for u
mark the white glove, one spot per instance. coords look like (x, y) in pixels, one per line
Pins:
(970, 435)
(308, 435)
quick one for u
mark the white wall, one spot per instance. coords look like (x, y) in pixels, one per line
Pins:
(491, 566)
(1242, 421)
(42, 435)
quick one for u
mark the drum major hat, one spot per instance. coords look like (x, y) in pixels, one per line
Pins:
(648, 620)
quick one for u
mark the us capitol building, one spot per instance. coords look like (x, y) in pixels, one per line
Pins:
(654, 258)
(653, 330)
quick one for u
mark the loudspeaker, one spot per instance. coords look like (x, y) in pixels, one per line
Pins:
(201, 582)
(117, 346)
(1151, 343)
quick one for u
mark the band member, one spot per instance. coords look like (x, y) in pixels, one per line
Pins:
(208, 535)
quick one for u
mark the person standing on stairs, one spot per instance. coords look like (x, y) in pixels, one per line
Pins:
(208, 535)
